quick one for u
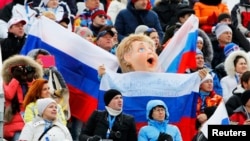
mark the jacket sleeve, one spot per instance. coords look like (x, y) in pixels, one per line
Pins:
(11, 89)
(27, 133)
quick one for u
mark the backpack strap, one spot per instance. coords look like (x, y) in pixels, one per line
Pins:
(45, 131)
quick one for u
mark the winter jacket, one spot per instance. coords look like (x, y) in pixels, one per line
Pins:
(128, 19)
(211, 100)
(11, 45)
(235, 100)
(240, 16)
(151, 131)
(13, 91)
(34, 129)
(203, 9)
(98, 124)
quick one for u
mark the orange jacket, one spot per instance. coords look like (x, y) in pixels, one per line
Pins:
(212, 99)
(203, 11)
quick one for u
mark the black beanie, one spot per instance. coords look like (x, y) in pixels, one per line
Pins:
(108, 96)
(245, 97)
(223, 16)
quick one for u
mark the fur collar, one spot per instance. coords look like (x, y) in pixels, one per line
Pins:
(229, 65)
(19, 60)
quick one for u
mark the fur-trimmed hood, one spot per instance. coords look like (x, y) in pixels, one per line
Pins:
(229, 62)
(19, 60)
(207, 49)
(210, 2)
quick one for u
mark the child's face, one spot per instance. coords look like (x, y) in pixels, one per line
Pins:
(142, 57)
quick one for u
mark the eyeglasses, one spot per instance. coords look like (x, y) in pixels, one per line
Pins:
(159, 109)
(101, 16)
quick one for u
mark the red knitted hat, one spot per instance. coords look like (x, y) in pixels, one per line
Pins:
(96, 13)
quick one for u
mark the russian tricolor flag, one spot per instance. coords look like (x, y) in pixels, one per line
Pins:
(77, 60)
(180, 52)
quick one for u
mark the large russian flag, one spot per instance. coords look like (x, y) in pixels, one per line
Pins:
(77, 60)
(178, 91)
(180, 52)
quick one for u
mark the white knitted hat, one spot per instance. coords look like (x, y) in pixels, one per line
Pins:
(43, 103)
(208, 77)
(221, 28)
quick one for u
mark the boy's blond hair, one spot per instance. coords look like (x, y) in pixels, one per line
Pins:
(125, 47)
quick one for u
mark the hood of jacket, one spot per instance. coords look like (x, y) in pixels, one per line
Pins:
(19, 60)
(229, 62)
(210, 2)
(33, 53)
(238, 90)
(207, 49)
(152, 104)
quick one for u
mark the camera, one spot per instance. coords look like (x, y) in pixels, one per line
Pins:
(116, 134)
(22, 69)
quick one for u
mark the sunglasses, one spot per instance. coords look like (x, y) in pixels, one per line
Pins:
(101, 16)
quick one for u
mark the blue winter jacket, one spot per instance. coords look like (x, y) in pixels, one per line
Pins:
(151, 131)
(128, 19)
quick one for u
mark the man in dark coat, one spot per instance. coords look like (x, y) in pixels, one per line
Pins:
(15, 40)
(111, 123)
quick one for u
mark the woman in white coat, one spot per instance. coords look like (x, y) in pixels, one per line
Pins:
(45, 127)
(235, 65)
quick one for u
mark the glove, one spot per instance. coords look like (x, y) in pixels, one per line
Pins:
(212, 19)
(95, 138)
(17, 72)
(164, 137)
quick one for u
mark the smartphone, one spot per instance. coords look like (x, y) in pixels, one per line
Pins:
(47, 60)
